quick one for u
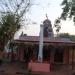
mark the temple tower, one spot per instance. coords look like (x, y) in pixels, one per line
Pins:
(47, 31)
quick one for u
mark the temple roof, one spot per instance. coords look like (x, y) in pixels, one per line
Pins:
(46, 40)
(47, 22)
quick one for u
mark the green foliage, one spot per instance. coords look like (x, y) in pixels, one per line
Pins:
(65, 9)
(66, 35)
(9, 24)
(57, 25)
(12, 14)
(68, 9)
(64, 2)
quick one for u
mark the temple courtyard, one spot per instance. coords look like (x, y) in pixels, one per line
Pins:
(18, 68)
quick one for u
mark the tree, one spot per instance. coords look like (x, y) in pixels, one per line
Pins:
(11, 18)
(68, 12)
(67, 35)
(64, 35)
(12, 13)
(68, 9)
(57, 25)
(19, 7)
(8, 27)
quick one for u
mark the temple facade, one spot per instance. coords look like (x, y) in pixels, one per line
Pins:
(57, 53)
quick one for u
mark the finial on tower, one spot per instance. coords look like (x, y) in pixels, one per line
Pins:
(46, 16)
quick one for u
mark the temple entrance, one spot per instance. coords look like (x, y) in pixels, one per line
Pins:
(58, 56)
(46, 54)
(31, 53)
(27, 54)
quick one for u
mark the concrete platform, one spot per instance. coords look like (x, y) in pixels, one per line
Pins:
(39, 67)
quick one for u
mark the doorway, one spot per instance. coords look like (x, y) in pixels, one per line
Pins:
(58, 56)
(46, 54)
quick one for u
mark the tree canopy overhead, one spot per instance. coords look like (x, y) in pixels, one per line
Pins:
(68, 9)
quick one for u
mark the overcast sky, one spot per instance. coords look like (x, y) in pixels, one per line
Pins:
(38, 13)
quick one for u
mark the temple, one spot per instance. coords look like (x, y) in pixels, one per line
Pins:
(54, 53)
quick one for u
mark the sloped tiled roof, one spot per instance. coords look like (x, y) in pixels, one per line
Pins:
(46, 40)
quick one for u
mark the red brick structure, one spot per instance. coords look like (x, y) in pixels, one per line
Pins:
(58, 53)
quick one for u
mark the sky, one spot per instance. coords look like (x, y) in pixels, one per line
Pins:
(38, 12)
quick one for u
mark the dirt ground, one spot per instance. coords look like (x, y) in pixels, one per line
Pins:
(19, 69)
(12, 69)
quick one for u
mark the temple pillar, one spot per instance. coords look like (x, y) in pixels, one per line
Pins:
(66, 56)
(21, 53)
(74, 55)
(73, 58)
(70, 56)
(52, 56)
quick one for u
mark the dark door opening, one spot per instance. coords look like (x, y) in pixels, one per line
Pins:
(58, 57)
(46, 54)
(27, 54)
